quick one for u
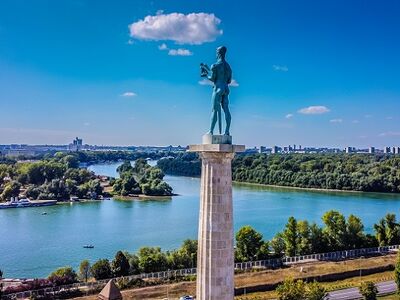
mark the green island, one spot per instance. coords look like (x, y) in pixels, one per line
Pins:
(140, 179)
(59, 177)
(346, 172)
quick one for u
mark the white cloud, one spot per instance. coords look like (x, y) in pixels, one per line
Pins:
(180, 52)
(163, 46)
(367, 116)
(130, 42)
(193, 28)
(355, 122)
(86, 124)
(280, 68)
(289, 116)
(175, 52)
(314, 110)
(129, 94)
(205, 81)
(234, 83)
(390, 133)
(389, 118)
(336, 121)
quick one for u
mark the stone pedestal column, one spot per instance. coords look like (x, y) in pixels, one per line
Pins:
(215, 262)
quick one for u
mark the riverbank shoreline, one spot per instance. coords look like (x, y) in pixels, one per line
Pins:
(311, 189)
(294, 188)
(143, 197)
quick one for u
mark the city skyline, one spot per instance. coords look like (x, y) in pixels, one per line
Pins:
(307, 73)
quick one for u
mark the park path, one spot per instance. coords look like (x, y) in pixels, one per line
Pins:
(385, 287)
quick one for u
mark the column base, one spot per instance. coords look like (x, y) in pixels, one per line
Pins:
(217, 139)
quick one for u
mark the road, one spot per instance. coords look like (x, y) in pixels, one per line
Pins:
(385, 287)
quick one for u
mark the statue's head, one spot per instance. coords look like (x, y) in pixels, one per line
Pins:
(221, 51)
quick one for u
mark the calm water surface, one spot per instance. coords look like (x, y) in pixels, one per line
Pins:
(33, 245)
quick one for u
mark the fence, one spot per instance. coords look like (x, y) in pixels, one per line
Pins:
(269, 263)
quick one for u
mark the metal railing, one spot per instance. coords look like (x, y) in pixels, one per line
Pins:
(269, 263)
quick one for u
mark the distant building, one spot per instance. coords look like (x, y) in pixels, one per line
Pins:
(371, 150)
(275, 150)
(386, 150)
(76, 145)
(396, 150)
(349, 149)
(263, 149)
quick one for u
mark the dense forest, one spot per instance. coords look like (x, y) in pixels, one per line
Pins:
(58, 178)
(90, 156)
(184, 164)
(356, 172)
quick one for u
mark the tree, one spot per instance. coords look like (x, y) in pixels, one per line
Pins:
(355, 237)
(380, 232)
(317, 239)
(101, 269)
(133, 260)
(335, 230)
(120, 265)
(126, 185)
(304, 238)
(291, 290)
(397, 272)
(189, 249)
(392, 229)
(64, 275)
(387, 230)
(248, 244)
(278, 244)
(84, 270)
(315, 291)
(290, 236)
(70, 161)
(368, 290)
(151, 259)
(125, 167)
(11, 189)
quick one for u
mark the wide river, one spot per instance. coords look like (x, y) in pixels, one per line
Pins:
(33, 245)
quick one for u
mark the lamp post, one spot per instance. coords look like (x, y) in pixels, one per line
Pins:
(361, 257)
(168, 285)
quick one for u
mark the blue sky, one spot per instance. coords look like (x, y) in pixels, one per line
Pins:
(322, 73)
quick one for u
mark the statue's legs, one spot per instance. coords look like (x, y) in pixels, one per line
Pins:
(216, 109)
(225, 107)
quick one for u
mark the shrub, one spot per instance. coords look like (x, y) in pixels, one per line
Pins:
(64, 275)
(368, 290)
(101, 269)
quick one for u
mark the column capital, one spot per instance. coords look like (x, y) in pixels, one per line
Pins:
(218, 148)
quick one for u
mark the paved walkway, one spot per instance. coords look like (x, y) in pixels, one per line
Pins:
(385, 287)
